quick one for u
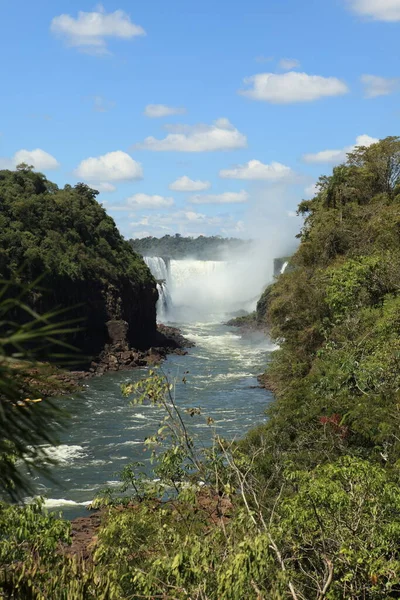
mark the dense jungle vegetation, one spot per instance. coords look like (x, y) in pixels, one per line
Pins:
(200, 248)
(62, 232)
(306, 506)
(65, 238)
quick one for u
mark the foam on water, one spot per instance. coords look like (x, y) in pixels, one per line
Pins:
(226, 376)
(64, 454)
(59, 502)
(106, 432)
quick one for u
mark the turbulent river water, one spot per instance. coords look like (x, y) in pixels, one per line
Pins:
(105, 433)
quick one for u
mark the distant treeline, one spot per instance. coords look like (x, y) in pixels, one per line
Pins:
(177, 246)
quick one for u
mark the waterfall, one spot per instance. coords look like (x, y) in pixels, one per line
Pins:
(283, 269)
(159, 269)
(205, 289)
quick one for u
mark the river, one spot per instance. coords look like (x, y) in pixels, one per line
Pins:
(105, 432)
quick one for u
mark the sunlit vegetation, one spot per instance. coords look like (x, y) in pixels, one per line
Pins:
(65, 237)
(62, 232)
(306, 506)
(200, 248)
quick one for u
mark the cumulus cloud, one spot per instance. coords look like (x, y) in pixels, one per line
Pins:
(311, 190)
(221, 135)
(103, 186)
(89, 30)
(287, 88)
(379, 86)
(139, 201)
(379, 10)
(113, 166)
(255, 169)
(155, 111)
(185, 222)
(224, 198)
(338, 156)
(289, 63)
(41, 160)
(185, 184)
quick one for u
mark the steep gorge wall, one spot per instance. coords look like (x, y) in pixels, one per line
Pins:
(65, 239)
(92, 303)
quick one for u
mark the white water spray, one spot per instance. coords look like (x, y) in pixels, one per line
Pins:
(283, 269)
(202, 289)
(159, 268)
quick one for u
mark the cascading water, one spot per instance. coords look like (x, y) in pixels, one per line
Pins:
(107, 433)
(284, 266)
(159, 269)
(201, 289)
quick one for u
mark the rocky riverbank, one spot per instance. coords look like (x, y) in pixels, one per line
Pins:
(248, 322)
(117, 354)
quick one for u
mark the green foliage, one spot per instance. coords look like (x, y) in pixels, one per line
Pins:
(357, 283)
(307, 505)
(201, 248)
(29, 421)
(34, 564)
(248, 321)
(341, 528)
(329, 532)
(64, 232)
(65, 238)
(332, 532)
(335, 316)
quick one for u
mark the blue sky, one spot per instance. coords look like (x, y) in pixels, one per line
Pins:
(247, 102)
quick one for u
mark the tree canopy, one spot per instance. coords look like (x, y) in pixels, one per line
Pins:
(63, 232)
(178, 246)
(65, 238)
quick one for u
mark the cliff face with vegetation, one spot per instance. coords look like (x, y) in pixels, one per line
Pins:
(335, 314)
(65, 237)
(308, 504)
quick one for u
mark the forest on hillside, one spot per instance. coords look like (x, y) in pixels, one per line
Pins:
(62, 242)
(307, 505)
(178, 246)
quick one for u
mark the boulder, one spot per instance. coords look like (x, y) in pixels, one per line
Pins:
(118, 333)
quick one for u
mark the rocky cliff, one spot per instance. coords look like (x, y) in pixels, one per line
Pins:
(63, 240)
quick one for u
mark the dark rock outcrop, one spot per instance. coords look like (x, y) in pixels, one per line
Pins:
(118, 355)
(95, 305)
(62, 249)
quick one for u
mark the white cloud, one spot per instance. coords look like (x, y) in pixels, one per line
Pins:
(89, 31)
(142, 234)
(338, 156)
(139, 201)
(41, 160)
(155, 111)
(194, 216)
(311, 190)
(255, 169)
(379, 86)
(224, 198)
(289, 63)
(379, 10)
(221, 135)
(103, 186)
(185, 184)
(186, 222)
(113, 166)
(292, 87)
